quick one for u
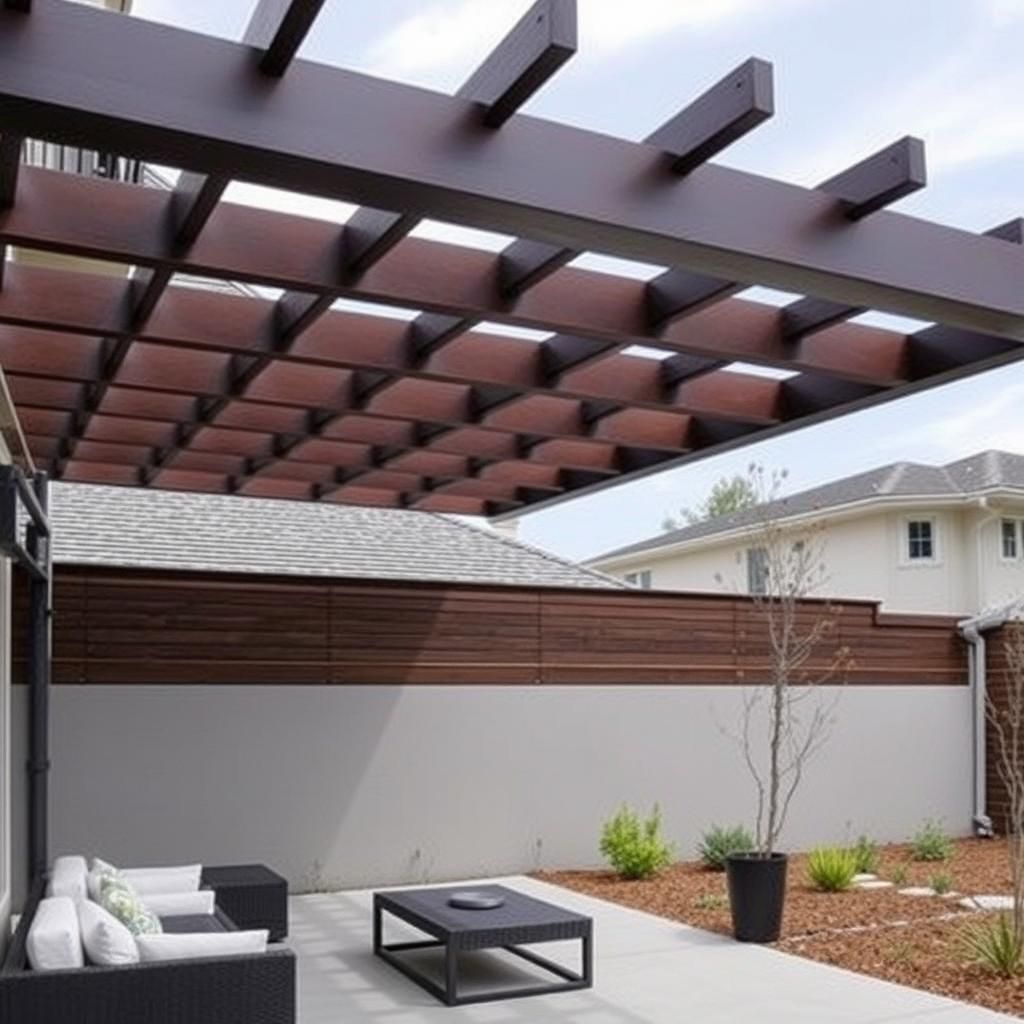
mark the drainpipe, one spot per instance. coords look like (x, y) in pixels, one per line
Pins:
(976, 666)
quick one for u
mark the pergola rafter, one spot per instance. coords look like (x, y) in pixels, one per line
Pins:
(139, 381)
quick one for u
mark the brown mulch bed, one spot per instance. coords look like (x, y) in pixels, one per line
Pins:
(906, 942)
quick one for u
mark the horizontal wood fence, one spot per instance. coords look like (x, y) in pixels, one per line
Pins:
(150, 626)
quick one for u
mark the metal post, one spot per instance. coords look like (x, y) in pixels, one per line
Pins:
(40, 634)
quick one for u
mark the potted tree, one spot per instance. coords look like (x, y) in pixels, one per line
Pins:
(788, 716)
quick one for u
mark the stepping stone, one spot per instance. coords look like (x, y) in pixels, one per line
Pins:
(864, 878)
(873, 883)
(987, 903)
(917, 890)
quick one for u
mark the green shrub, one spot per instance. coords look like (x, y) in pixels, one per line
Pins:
(634, 847)
(831, 868)
(899, 874)
(720, 841)
(930, 843)
(941, 883)
(866, 853)
(994, 945)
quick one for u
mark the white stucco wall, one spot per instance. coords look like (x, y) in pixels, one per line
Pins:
(864, 557)
(348, 786)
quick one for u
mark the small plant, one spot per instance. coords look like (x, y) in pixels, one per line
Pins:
(930, 843)
(901, 952)
(941, 883)
(634, 847)
(865, 852)
(994, 945)
(831, 868)
(720, 841)
(899, 874)
(710, 901)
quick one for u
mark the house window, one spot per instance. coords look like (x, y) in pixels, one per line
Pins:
(1010, 538)
(640, 579)
(921, 540)
(757, 571)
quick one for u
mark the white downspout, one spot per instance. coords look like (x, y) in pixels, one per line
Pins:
(976, 664)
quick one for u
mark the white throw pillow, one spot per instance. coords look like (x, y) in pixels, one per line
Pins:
(171, 879)
(54, 940)
(68, 878)
(193, 945)
(106, 940)
(170, 904)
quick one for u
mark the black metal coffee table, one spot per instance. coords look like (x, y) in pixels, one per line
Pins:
(521, 920)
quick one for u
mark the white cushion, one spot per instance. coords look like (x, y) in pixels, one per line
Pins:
(54, 939)
(193, 945)
(106, 940)
(67, 878)
(171, 879)
(168, 904)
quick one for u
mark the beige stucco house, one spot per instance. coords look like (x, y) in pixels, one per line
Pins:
(918, 538)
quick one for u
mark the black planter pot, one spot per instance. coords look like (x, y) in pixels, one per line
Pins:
(757, 892)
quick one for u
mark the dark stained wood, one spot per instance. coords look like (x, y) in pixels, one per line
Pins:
(717, 221)
(278, 28)
(880, 179)
(151, 626)
(733, 106)
(534, 49)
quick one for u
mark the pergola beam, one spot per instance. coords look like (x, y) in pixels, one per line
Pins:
(808, 315)
(880, 179)
(81, 77)
(277, 28)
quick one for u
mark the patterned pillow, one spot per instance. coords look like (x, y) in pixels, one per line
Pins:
(121, 900)
(99, 872)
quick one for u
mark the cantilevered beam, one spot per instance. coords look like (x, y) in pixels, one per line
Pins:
(880, 179)
(733, 106)
(277, 28)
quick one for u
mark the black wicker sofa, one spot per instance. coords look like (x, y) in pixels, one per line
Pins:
(245, 989)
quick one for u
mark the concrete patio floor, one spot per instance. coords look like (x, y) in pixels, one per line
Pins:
(647, 971)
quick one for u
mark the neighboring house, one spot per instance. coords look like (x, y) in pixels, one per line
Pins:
(153, 529)
(917, 538)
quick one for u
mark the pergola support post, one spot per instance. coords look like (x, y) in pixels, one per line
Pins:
(40, 647)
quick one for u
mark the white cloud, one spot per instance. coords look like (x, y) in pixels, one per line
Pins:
(962, 106)
(442, 43)
(989, 422)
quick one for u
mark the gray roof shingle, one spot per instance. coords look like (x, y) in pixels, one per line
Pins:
(120, 526)
(984, 471)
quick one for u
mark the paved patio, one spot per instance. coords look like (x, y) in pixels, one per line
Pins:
(647, 970)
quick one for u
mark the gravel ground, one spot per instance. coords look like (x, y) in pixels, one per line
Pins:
(910, 940)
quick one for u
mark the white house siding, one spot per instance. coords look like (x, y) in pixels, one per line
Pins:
(348, 786)
(1000, 580)
(864, 557)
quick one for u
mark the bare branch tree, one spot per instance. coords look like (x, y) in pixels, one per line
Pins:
(798, 713)
(1006, 718)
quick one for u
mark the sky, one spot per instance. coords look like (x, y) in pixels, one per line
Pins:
(851, 76)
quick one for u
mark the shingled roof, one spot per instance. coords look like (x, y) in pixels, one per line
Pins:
(97, 525)
(989, 470)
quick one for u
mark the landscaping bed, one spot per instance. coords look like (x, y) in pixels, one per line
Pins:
(911, 940)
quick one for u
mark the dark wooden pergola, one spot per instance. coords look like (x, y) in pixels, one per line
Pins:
(128, 380)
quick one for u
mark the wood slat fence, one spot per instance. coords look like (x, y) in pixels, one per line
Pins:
(137, 626)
